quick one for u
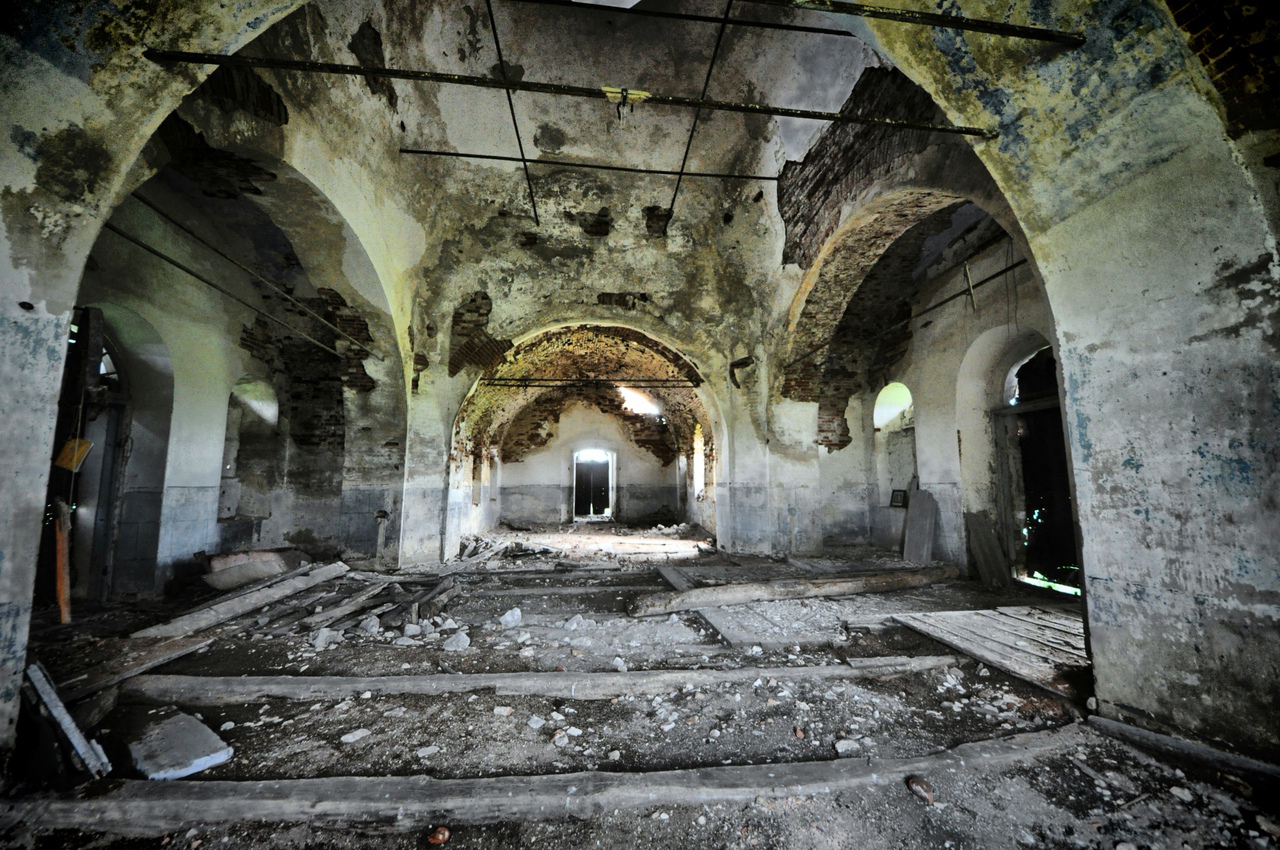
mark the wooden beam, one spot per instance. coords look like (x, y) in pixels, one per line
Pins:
(220, 612)
(88, 752)
(765, 591)
(236, 690)
(350, 606)
(141, 808)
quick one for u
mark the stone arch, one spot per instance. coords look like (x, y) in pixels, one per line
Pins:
(504, 423)
(833, 281)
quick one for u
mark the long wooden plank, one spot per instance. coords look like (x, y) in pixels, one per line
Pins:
(727, 627)
(1053, 644)
(1021, 663)
(350, 606)
(195, 621)
(740, 594)
(90, 754)
(234, 690)
(140, 808)
(992, 567)
(136, 656)
(989, 630)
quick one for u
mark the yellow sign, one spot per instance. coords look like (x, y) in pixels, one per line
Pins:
(73, 454)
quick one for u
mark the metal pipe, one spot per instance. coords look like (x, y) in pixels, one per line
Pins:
(697, 113)
(972, 287)
(502, 66)
(653, 383)
(279, 290)
(683, 16)
(177, 265)
(567, 164)
(311, 67)
(932, 19)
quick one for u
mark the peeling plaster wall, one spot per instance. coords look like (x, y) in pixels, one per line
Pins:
(1159, 262)
(540, 488)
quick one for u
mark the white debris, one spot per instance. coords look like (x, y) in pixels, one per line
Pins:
(846, 747)
(325, 638)
(226, 727)
(619, 664)
(574, 731)
(457, 642)
(536, 722)
(448, 624)
(412, 629)
(370, 625)
(503, 710)
(352, 737)
(1181, 793)
(427, 752)
(511, 619)
(615, 755)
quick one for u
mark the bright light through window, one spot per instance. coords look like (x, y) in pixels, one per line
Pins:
(592, 456)
(637, 402)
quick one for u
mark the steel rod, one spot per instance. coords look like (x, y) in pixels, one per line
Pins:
(312, 67)
(969, 291)
(502, 66)
(277, 289)
(931, 19)
(568, 164)
(177, 265)
(697, 113)
(683, 16)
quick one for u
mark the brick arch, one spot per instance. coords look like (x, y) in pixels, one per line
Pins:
(836, 277)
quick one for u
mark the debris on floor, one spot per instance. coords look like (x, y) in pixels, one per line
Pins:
(504, 695)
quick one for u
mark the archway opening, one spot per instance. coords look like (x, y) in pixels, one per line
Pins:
(1031, 449)
(593, 480)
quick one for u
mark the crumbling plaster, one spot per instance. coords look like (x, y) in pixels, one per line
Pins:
(1182, 588)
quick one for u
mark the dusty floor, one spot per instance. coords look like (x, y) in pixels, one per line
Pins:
(1085, 790)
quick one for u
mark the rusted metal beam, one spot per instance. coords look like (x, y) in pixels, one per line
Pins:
(228, 293)
(697, 113)
(502, 67)
(932, 19)
(279, 290)
(312, 67)
(564, 163)
(684, 16)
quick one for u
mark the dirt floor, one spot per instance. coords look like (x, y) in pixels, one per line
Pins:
(572, 587)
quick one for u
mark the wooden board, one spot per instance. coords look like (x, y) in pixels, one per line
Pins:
(90, 754)
(350, 606)
(993, 569)
(126, 658)
(1045, 648)
(741, 594)
(917, 536)
(219, 612)
(140, 808)
(235, 690)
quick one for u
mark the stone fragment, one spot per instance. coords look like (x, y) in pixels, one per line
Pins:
(427, 752)
(573, 731)
(503, 710)
(846, 747)
(560, 738)
(412, 630)
(619, 664)
(357, 735)
(536, 722)
(325, 638)
(1181, 793)
(175, 745)
(511, 619)
(457, 642)
(370, 625)
(615, 755)
(448, 624)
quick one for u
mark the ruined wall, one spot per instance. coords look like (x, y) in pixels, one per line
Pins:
(539, 488)
(1159, 262)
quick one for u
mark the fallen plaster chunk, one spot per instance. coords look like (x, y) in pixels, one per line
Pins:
(536, 722)
(511, 619)
(457, 642)
(412, 630)
(357, 735)
(175, 746)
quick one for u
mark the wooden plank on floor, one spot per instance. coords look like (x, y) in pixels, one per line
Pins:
(346, 608)
(1041, 657)
(132, 657)
(194, 621)
(140, 808)
(741, 594)
(235, 690)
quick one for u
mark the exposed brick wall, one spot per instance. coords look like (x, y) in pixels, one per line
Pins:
(811, 192)
(470, 343)
(843, 271)
(513, 417)
(1239, 43)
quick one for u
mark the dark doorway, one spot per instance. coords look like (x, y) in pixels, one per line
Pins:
(591, 485)
(1048, 527)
